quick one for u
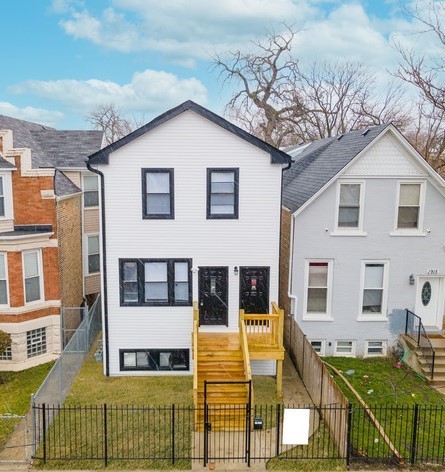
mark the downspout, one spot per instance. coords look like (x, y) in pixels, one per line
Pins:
(291, 257)
(291, 249)
(104, 265)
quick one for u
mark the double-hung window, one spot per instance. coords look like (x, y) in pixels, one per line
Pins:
(350, 211)
(409, 210)
(374, 290)
(156, 282)
(32, 276)
(90, 191)
(158, 194)
(3, 280)
(93, 254)
(318, 281)
(222, 193)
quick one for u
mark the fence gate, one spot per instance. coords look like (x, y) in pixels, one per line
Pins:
(17, 447)
(226, 427)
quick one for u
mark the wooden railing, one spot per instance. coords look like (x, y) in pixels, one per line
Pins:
(263, 329)
(195, 351)
(245, 350)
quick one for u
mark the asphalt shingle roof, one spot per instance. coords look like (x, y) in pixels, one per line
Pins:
(320, 161)
(51, 147)
(63, 186)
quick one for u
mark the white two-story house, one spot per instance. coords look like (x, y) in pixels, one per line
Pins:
(190, 212)
(363, 214)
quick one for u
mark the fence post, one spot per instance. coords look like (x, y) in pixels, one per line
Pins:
(303, 345)
(348, 435)
(406, 322)
(173, 433)
(105, 435)
(44, 433)
(414, 436)
(278, 429)
(33, 427)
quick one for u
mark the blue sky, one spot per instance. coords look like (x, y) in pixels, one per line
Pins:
(61, 58)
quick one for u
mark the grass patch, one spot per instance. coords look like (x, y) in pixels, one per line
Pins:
(15, 395)
(265, 390)
(392, 393)
(386, 384)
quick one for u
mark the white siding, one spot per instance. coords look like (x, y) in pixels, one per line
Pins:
(407, 255)
(190, 144)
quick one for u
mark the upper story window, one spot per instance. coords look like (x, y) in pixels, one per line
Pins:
(2, 197)
(318, 288)
(350, 203)
(374, 289)
(156, 282)
(90, 191)
(93, 254)
(32, 276)
(158, 194)
(3, 280)
(222, 193)
(409, 210)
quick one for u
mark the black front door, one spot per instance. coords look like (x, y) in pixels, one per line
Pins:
(254, 289)
(213, 295)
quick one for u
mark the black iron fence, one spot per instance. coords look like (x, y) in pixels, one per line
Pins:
(416, 331)
(153, 437)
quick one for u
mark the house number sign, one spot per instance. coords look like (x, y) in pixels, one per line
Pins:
(432, 272)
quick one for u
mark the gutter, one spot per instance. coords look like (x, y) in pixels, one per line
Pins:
(104, 266)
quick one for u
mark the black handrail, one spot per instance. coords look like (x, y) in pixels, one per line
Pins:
(416, 331)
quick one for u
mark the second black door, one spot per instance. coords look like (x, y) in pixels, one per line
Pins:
(254, 289)
(213, 295)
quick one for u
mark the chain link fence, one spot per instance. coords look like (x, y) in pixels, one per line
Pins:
(58, 382)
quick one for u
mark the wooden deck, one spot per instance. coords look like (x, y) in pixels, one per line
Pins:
(222, 357)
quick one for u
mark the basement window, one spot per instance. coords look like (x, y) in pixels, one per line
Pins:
(154, 359)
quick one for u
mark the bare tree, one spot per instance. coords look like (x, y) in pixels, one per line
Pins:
(111, 121)
(285, 102)
(426, 74)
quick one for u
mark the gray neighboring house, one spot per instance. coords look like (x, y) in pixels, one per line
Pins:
(363, 238)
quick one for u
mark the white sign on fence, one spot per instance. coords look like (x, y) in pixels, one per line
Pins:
(296, 426)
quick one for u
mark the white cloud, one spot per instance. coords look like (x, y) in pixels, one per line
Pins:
(148, 92)
(181, 29)
(37, 115)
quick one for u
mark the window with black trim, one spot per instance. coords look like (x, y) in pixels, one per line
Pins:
(156, 282)
(222, 193)
(154, 359)
(158, 194)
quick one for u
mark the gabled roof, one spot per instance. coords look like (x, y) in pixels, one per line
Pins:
(51, 147)
(276, 156)
(63, 186)
(320, 161)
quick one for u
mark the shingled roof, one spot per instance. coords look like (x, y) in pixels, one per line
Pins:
(276, 156)
(51, 147)
(317, 163)
(63, 186)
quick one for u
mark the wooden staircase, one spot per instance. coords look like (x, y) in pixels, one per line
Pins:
(220, 359)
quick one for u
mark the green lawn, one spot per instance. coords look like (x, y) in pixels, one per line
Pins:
(392, 393)
(15, 395)
(386, 384)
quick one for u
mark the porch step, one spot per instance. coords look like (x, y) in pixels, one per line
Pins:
(220, 359)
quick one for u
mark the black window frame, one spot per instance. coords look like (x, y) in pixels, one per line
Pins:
(170, 281)
(159, 216)
(153, 359)
(223, 216)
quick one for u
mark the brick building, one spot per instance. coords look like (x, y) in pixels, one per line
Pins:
(41, 235)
